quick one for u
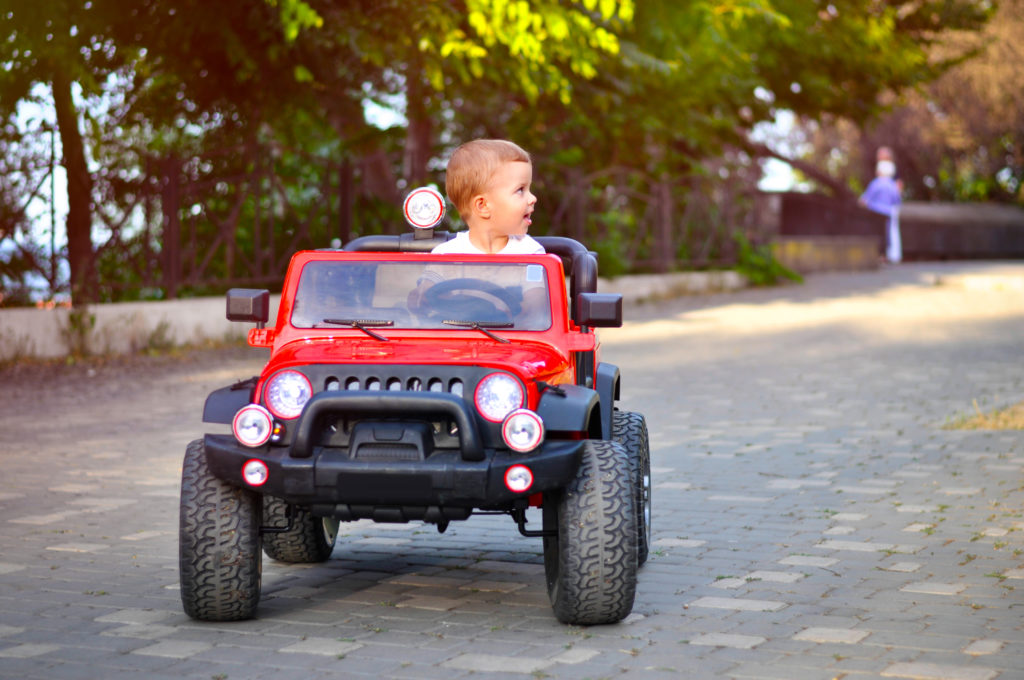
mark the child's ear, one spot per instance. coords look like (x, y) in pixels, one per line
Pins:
(480, 206)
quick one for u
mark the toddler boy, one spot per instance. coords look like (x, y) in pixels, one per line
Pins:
(488, 181)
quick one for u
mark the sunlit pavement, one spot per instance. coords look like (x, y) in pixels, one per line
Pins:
(812, 516)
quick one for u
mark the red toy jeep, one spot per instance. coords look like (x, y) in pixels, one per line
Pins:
(487, 395)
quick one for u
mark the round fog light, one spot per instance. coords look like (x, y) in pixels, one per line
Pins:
(255, 472)
(523, 430)
(518, 478)
(252, 425)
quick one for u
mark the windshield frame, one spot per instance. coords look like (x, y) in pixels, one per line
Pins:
(292, 316)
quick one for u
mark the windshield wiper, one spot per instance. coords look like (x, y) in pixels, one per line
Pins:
(362, 324)
(482, 326)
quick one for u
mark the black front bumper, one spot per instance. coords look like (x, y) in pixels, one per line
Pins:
(330, 477)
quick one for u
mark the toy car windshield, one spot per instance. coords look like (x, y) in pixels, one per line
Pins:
(431, 295)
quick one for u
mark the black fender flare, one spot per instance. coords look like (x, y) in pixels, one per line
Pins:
(570, 408)
(606, 383)
(222, 405)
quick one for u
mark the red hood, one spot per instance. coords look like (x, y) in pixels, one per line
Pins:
(529, 359)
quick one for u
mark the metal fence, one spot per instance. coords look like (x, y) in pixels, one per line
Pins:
(183, 226)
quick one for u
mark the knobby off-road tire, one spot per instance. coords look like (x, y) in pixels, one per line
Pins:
(591, 564)
(630, 430)
(311, 539)
(219, 557)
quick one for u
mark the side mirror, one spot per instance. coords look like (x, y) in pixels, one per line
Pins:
(249, 304)
(599, 310)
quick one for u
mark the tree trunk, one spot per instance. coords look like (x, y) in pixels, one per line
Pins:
(79, 224)
(418, 134)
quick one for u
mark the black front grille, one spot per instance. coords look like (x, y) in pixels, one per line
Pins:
(393, 383)
(386, 452)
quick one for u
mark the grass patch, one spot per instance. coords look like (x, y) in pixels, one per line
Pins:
(1009, 418)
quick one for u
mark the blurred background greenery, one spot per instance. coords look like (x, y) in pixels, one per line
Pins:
(168, 148)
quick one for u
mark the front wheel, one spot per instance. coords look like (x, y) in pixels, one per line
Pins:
(219, 559)
(630, 430)
(591, 560)
(310, 539)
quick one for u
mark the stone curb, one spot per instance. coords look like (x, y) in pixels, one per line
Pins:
(639, 288)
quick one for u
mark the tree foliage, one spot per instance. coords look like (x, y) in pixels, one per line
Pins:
(642, 100)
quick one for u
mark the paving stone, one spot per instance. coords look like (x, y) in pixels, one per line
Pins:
(51, 518)
(78, 547)
(321, 647)
(929, 671)
(983, 647)
(864, 490)
(832, 635)
(738, 604)
(493, 586)
(727, 640)
(808, 561)
(911, 508)
(855, 546)
(440, 604)
(840, 531)
(28, 651)
(907, 567)
(994, 531)
(677, 543)
(144, 631)
(174, 649)
(960, 490)
(774, 576)
(428, 581)
(489, 663)
(934, 588)
(576, 655)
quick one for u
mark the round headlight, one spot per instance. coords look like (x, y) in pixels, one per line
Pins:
(252, 425)
(497, 395)
(518, 479)
(523, 430)
(287, 394)
(255, 472)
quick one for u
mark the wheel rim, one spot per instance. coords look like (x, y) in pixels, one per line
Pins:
(330, 529)
(646, 500)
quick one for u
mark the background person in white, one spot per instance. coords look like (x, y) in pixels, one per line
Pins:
(883, 196)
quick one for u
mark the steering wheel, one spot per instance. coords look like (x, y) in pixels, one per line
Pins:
(468, 299)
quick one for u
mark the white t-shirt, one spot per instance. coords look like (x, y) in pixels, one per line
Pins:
(517, 245)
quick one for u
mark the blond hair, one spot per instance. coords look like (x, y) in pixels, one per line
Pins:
(473, 164)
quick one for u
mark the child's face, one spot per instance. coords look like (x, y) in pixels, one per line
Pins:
(509, 198)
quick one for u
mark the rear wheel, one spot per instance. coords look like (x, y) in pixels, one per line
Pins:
(591, 562)
(311, 539)
(219, 560)
(630, 430)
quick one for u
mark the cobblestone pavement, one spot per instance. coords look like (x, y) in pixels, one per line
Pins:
(812, 517)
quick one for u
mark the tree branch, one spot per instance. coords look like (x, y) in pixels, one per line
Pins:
(838, 189)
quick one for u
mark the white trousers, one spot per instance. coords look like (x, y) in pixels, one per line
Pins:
(893, 246)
